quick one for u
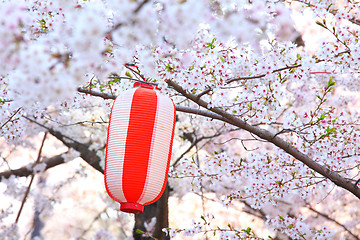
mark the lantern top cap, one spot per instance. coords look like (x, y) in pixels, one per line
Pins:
(145, 85)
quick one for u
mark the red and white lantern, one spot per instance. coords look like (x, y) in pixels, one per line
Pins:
(139, 144)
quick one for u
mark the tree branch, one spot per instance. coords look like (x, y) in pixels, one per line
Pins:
(136, 10)
(178, 107)
(255, 212)
(200, 112)
(333, 220)
(333, 12)
(276, 140)
(87, 155)
(31, 180)
(10, 118)
(140, 6)
(97, 217)
(261, 75)
(96, 93)
(230, 80)
(193, 144)
(25, 171)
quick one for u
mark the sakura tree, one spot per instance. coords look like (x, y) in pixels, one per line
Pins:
(267, 104)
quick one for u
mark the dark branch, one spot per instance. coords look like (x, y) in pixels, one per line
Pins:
(140, 6)
(88, 155)
(193, 144)
(230, 80)
(261, 75)
(32, 179)
(179, 108)
(206, 91)
(136, 10)
(200, 112)
(255, 212)
(96, 93)
(333, 12)
(276, 140)
(10, 118)
(333, 220)
(25, 171)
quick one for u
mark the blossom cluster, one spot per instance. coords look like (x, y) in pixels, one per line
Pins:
(297, 228)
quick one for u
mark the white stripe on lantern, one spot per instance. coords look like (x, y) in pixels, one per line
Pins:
(160, 150)
(116, 145)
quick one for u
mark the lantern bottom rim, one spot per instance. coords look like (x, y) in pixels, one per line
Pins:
(135, 208)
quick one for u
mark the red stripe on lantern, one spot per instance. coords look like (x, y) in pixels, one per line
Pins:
(138, 142)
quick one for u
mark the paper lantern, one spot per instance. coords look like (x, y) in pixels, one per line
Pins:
(139, 144)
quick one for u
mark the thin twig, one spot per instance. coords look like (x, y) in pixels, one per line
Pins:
(191, 146)
(136, 73)
(31, 180)
(230, 80)
(76, 123)
(136, 10)
(357, 182)
(261, 75)
(333, 12)
(6, 100)
(96, 93)
(92, 223)
(10, 117)
(333, 220)
(206, 91)
(261, 214)
(139, 7)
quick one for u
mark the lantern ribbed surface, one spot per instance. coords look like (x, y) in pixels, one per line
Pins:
(138, 150)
